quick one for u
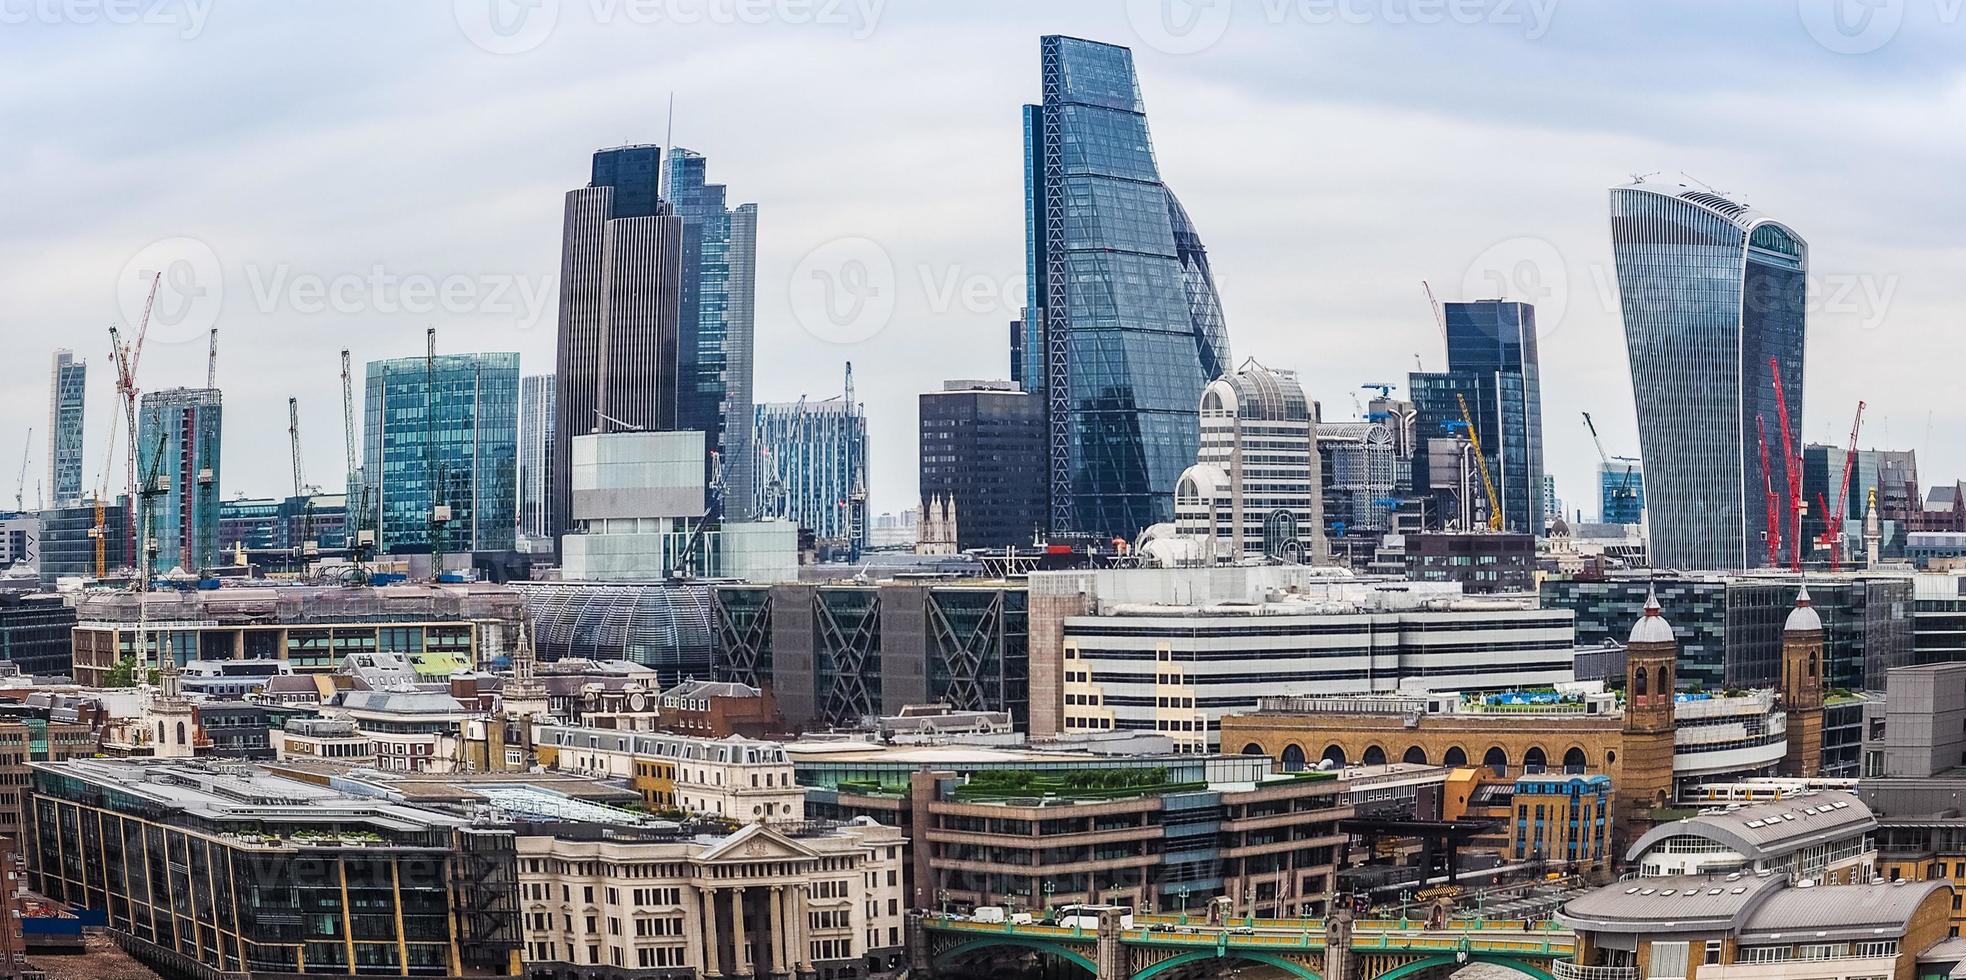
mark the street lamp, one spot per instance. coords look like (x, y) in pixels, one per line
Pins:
(942, 895)
(1049, 887)
(1181, 896)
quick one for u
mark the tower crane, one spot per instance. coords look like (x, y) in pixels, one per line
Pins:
(1833, 516)
(126, 357)
(1481, 461)
(211, 360)
(1624, 490)
(1774, 532)
(293, 440)
(20, 486)
(1792, 464)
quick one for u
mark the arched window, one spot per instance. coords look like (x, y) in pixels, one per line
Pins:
(1534, 760)
(1293, 758)
(180, 734)
(1455, 757)
(1496, 760)
(1254, 749)
(1334, 754)
(160, 733)
(1573, 760)
(1814, 658)
(1638, 683)
(1375, 756)
(1415, 755)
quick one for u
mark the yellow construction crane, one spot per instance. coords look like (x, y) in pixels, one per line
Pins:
(1481, 461)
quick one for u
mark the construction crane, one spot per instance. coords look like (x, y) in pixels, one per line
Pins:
(1440, 320)
(440, 512)
(293, 441)
(1792, 464)
(1624, 489)
(126, 358)
(20, 486)
(1833, 516)
(211, 360)
(1481, 461)
(1774, 532)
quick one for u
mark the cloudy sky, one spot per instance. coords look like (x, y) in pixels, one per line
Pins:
(344, 173)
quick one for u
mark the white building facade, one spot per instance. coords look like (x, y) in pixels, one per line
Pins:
(1255, 492)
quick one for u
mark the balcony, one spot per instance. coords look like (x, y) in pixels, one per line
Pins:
(1566, 970)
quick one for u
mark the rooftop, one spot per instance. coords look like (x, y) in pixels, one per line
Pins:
(1754, 907)
(249, 795)
(1764, 830)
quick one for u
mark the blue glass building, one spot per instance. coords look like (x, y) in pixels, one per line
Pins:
(1123, 326)
(1492, 363)
(1621, 493)
(178, 442)
(715, 318)
(67, 390)
(1710, 291)
(443, 434)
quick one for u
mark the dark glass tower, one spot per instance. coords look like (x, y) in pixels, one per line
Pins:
(620, 297)
(1710, 292)
(1124, 326)
(1492, 363)
(715, 321)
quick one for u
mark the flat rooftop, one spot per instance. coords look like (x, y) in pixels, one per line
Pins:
(238, 792)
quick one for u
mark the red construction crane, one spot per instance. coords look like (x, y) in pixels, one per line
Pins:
(1792, 464)
(1774, 534)
(1834, 516)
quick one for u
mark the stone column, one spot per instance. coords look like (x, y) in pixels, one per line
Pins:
(777, 930)
(712, 956)
(740, 964)
(802, 952)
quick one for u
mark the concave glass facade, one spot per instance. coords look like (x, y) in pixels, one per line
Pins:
(1124, 326)
(1710, 291)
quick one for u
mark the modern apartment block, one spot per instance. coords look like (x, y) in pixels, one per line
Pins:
(441, 452)
(225, 870)
(1124, 325)
(178, 450)
(67, 390)
(982, 450)
(621, 273)
(537, 400)
(1711, 292)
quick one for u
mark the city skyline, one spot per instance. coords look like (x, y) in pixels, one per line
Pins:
(1313, 275)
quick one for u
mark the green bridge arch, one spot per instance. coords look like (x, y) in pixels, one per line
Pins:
(1196, 956)
(961, 950)
(1429, 963)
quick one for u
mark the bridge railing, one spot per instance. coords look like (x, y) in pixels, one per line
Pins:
(1566, 970)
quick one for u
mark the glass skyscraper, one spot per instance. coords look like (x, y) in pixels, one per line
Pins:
(1711, 291)
(537, 395)
(812, 467)
(715, 318)
(178, 442)
(66, 388)
(442, 434)
(1492, 364)
(1621, 492)
(1123, 326)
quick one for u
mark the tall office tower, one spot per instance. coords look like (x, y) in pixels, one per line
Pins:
(715, 318)
(1256, 490)
(536, 400)
(982, 456)
(620, 295)
(1123, 326)
(1621, 492)
(66, 389)
(178, 443)
(812, 467)
(1492, 365)
(1711, 291)
(441, 440)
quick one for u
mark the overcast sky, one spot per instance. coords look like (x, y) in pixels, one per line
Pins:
(344, 173)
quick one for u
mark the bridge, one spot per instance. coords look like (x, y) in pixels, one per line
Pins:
(1303, 949)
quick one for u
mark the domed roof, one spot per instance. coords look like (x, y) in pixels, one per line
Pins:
(1804, 618)
(1263, 393)
(1652, 627)
(1559, 528)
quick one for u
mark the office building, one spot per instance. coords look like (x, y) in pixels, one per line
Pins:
(69, 541)
(1563, 819)
(1493, 381)
(536, 432)
(248, 522)
(178, 450)
(983, 458)
(1711, 292)
(1123, 326)
(1822, 837)
(67, 388)
(1479, 563)
(1620, 493)
(34, 633)
(715, 313)
(732, 777)
(812, 468)
(310, 880)
(1730, 627)
(838, 655)
(1360, 466)
(441, 452)
(1255, 492)
(621, 269)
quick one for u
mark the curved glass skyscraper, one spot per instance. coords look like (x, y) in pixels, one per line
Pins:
(1711, 291)
(1124, 326)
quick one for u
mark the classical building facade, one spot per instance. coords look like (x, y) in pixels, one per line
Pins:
(733, 777)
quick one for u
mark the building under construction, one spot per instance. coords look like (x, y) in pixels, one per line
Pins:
(812, 466)
(312, 628)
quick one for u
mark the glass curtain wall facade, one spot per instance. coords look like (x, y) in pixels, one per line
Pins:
(443, 433)
(1494, 341)
(1123, 326)
(537, 399)
(1710, 291)
(66, 389)
(178, 442)
(715, 317)
(812, 467)
(1621, 493)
